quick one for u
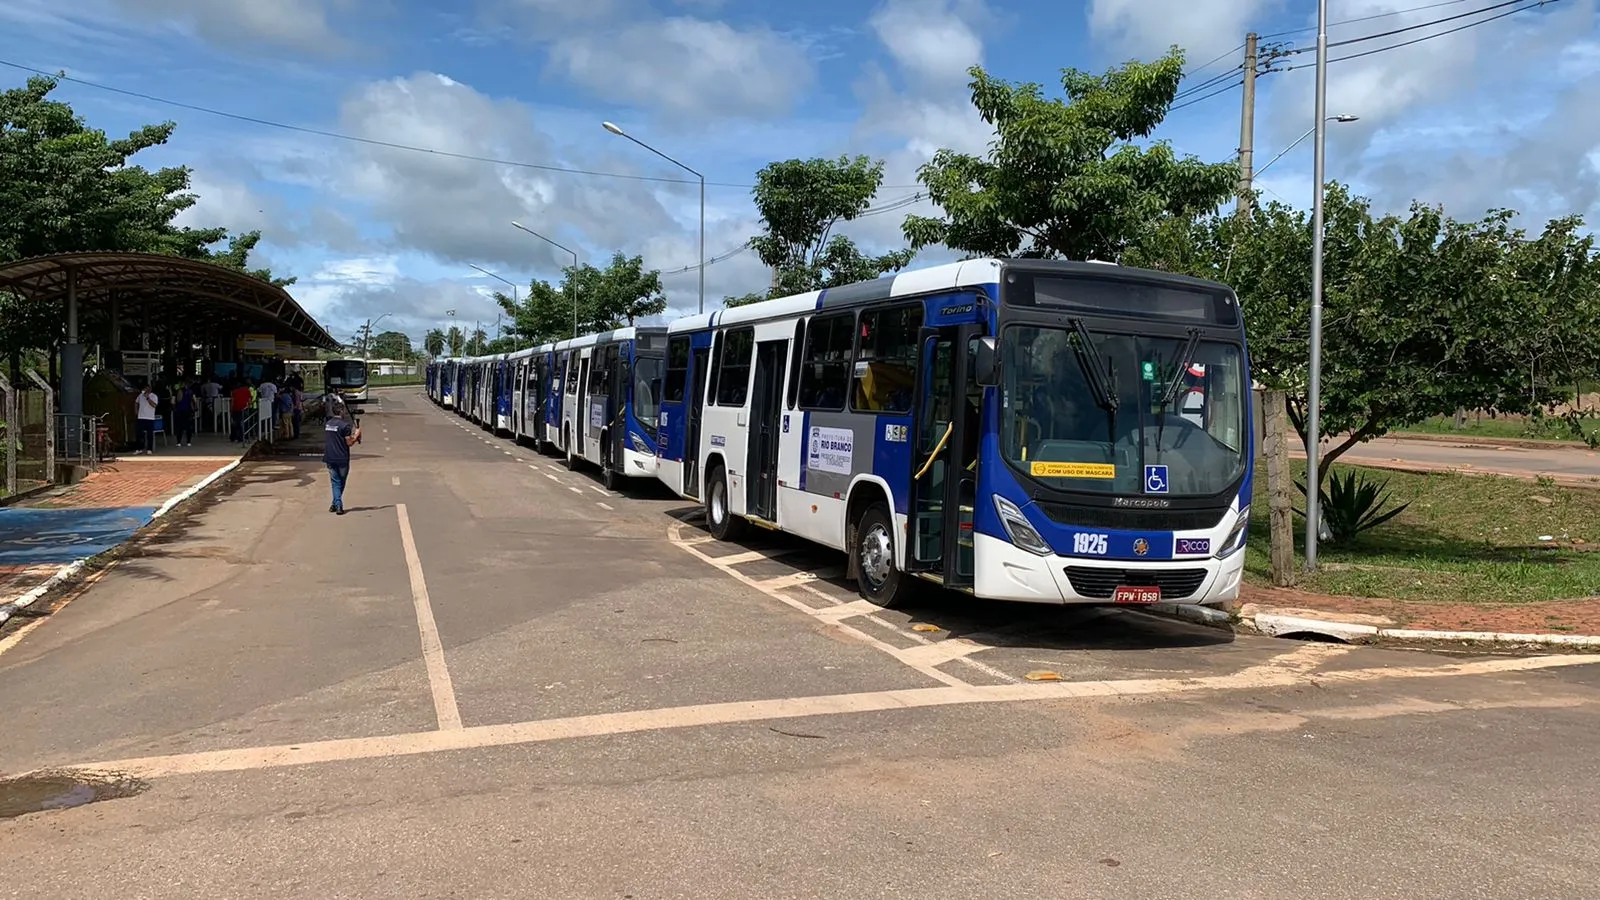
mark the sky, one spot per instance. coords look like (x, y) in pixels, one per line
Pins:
(1495, 115)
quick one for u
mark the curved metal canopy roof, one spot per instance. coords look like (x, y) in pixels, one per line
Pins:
(166, 289)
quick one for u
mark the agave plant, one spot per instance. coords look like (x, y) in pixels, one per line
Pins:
(1352, 504)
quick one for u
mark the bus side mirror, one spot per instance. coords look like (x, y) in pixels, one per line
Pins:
(987, 362)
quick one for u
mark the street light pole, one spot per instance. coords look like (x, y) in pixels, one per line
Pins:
(614, 129)
(574, 278)
(1314, 383)
(1309, 132)
(514, 300)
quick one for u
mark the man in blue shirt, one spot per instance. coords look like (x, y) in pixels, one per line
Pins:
(340, 435)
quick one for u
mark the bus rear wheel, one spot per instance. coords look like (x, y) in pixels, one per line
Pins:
(880, 582)
(720, 521)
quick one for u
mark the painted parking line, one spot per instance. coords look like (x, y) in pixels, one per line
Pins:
(750, 711)
(444, 692)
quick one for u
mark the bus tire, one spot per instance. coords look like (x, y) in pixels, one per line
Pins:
(878, 579)
(572, 458)
(609, 477)
(720, 520)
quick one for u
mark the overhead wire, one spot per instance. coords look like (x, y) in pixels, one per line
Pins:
(1373, 17)
(1393, 31)
(886, 207)
(1428, 37)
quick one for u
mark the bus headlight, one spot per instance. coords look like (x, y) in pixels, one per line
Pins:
(1236, 538)
(1018, 528)
(640, 446)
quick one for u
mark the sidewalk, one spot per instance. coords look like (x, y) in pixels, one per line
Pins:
(1553, 622)
(47, 538)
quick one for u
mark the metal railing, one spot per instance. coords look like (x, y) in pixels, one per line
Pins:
(8, 433)
(84, 439)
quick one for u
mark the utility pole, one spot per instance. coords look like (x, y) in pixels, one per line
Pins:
(1247, 126)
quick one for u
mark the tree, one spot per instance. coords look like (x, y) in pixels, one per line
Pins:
(455, 339)
(392, 345)
(433, 342)
(801, 201)
(1423, 315)
(477, 343)
(618, 295)
(1064, 178)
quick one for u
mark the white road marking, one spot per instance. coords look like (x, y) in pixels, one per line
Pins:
(444, 693)
(395, 480)
(605, 506)
(600, 490)
(575, 490)
(552, 477)
(747, 711)
(750, 556)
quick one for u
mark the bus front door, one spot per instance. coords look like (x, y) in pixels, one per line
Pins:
(580, 409)
(699, 362)
(766, 406)
(944, 476)
(618, 368)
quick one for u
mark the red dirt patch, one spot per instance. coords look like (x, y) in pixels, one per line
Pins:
(1550, 617)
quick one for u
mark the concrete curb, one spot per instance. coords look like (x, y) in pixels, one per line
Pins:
(1276, 625)
(72, 569)
(1190, 612)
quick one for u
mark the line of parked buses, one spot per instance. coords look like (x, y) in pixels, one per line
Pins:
(1025, 430)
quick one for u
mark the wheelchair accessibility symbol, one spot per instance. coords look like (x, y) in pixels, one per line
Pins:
(1155, 479)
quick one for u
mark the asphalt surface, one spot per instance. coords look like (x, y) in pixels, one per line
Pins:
(494, 679)
(1572, 465)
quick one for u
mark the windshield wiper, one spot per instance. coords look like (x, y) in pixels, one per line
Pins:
(1101, 379)
(1185, 359)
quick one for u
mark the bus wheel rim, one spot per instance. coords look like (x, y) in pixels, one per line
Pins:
(719, 509)
(877, 554)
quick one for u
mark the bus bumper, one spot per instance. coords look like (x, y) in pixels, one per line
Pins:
(1007, 572)
(638, 465)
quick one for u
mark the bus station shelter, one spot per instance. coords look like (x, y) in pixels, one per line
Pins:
(163, 306)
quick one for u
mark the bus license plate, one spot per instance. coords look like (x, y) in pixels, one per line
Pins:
(1139, 594)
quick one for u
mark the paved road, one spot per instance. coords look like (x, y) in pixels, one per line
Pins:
(494, 679)
(1576, 465)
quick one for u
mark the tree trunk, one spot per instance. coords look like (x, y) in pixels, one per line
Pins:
(1280, 486)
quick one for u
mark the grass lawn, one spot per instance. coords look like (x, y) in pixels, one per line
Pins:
(1504, 427)
(1465, 538)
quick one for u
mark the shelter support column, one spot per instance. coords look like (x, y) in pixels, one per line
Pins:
(72, 354)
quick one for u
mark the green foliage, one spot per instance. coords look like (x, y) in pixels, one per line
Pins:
(1423, 315)
(801, 201)
(67, 187)
(1352, 504)
(455, 340)
(1063, 178)
(392, 345)
(618, 295)
(433, 342)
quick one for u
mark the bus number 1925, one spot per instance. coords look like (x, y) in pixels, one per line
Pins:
(1089, 544)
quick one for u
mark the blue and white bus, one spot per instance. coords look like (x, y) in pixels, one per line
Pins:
(1027, 430)
(609, 388)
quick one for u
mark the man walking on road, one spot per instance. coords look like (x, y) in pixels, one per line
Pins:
(340, 436)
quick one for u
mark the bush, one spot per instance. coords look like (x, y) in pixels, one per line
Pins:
(1352, 504)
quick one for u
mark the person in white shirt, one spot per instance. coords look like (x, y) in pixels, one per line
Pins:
(268, 393)
(146, 408)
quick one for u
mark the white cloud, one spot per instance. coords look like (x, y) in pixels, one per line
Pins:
(689, 67)
(933, 42)
(300, 25)
(1203, 28)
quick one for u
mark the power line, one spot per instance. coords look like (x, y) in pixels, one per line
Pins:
(1211, 62)
(1428, 37)
(374, 142)
(1222, 90)
(1370, 18)
(1393, 31)
(1209, 82)
(886, 207)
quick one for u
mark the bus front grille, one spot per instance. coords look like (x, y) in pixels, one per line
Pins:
(1084, 516)
(1175, 584)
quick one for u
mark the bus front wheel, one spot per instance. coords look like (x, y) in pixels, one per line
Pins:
(878, 579)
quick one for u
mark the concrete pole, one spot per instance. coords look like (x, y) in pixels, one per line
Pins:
(1314, 383)
(72, 359)
(1247, 126)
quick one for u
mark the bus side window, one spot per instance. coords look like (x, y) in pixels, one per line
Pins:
(795, 351)
(733, 370)
(677, 379)
(825, 365)
(886, 360)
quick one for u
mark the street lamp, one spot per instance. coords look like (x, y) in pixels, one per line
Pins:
(1314, 383)
(513, 295)
(574, 278)
(612, 127)
(1309, 132)
(366, 340)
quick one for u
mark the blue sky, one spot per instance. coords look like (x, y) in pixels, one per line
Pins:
(1496, 115)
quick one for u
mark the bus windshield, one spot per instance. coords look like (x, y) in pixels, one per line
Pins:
(647, 373)
(1092, 411)
(346, 373)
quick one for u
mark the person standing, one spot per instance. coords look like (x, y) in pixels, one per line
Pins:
(183, 415)
(298, 393)
(146, 408)
(239, 400)
(339, 436)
